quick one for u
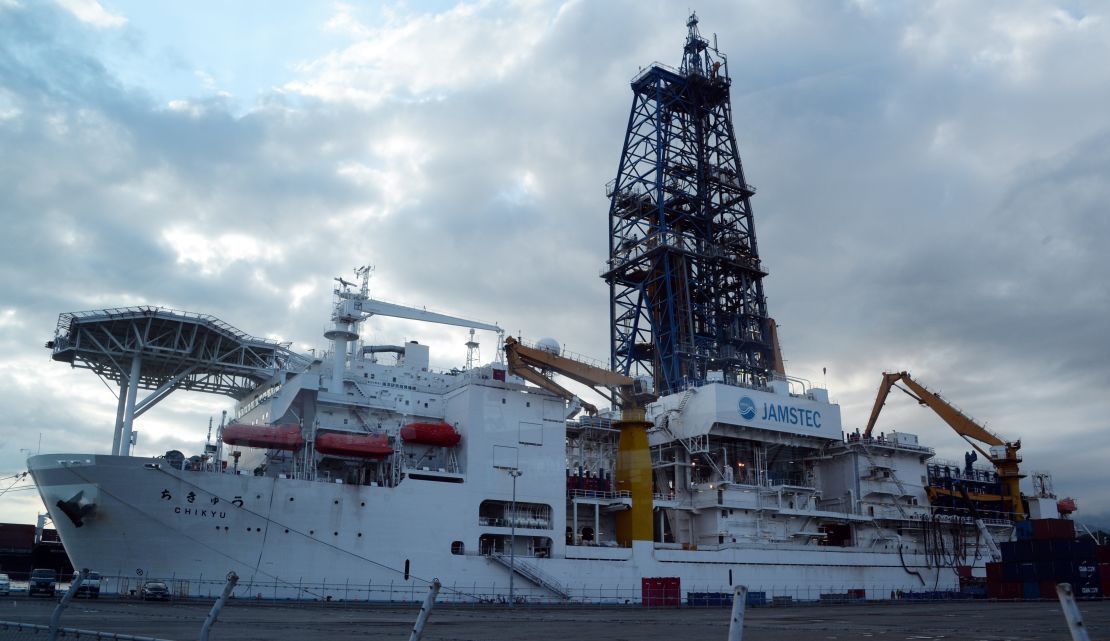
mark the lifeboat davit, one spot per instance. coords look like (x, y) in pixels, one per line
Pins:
(441, 434)
(360, 445)
(274, 437)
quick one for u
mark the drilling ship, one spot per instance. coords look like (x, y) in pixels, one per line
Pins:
(363, 472)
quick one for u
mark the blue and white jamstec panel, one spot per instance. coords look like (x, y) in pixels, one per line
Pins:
(729, 405)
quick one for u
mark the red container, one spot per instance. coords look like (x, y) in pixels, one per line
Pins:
(1011, 590)
(1049, 529)
(994, 589)
(1048, 589)
(1103, 553)
(994, 572)
(661, 591)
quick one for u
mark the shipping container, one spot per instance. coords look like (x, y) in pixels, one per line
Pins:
(1011, 590)
(661, 591)
(1048, 589)
(1031, 590)
(1085, 549)
(1087, 589)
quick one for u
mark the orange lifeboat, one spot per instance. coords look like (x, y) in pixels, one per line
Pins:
(360, 445)
(274, 437)
(441, 434)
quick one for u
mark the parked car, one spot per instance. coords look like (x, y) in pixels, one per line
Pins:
(90, 587)
(155, 591)
(43, 581)
(5, 585)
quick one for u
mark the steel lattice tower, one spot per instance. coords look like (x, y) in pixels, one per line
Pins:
(685, 281)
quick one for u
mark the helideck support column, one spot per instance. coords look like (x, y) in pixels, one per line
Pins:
(129, 409)
(117, 435)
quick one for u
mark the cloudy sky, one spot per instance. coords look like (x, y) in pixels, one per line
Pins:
(933, 185)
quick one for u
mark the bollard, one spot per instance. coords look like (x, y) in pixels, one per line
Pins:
(56, 616)
(425, 611)
(736, 626)
(232, 579)
(1071, 613)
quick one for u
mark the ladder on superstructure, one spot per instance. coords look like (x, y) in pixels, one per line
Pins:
(893, 477)
(530, 572)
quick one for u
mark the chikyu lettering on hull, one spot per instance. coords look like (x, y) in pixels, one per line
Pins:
(188, 511)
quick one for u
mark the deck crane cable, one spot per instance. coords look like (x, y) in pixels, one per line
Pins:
(284, 526)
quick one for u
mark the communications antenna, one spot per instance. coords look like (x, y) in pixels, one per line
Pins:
(472, 353)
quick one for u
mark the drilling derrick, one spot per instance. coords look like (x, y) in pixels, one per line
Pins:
(685, 281)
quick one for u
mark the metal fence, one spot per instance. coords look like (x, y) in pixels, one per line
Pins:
(524, 592)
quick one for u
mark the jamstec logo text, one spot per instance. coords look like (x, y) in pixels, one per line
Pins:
(780, 413)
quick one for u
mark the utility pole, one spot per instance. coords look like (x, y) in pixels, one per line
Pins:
(515, 473)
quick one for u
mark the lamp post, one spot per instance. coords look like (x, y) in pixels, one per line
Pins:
(513, 472)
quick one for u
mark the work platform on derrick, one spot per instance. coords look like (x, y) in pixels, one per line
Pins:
(165, 350)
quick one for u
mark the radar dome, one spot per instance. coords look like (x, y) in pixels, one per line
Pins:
(549, 345)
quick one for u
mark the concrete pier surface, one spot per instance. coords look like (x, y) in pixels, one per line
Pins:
(244, 620)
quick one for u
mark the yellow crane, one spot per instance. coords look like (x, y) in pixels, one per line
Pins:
(633, 465)
(1002, 454)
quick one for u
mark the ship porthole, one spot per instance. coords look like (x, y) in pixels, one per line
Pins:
(287, 530)
(364, 504)
(360, 535)
(335, 533)
(290, 498)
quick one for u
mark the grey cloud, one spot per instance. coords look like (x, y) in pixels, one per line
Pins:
(975, 264)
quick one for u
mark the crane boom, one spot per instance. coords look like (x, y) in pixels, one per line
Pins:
(1002, 454)
(633, 465)
(957, 420)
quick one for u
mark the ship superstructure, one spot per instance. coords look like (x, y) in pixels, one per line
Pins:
(364, 465)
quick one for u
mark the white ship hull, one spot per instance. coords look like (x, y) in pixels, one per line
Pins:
(290, 538)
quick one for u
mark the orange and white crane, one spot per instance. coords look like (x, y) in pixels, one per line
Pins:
(633, 468)
(1002, 454)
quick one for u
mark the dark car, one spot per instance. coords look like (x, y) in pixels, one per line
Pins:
(42, 581)
(90, 587)
(155, 591)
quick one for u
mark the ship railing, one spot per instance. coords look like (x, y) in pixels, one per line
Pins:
(66, 319)
(879, 441)
(646, 70)
(600, 494)
(565, 353)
